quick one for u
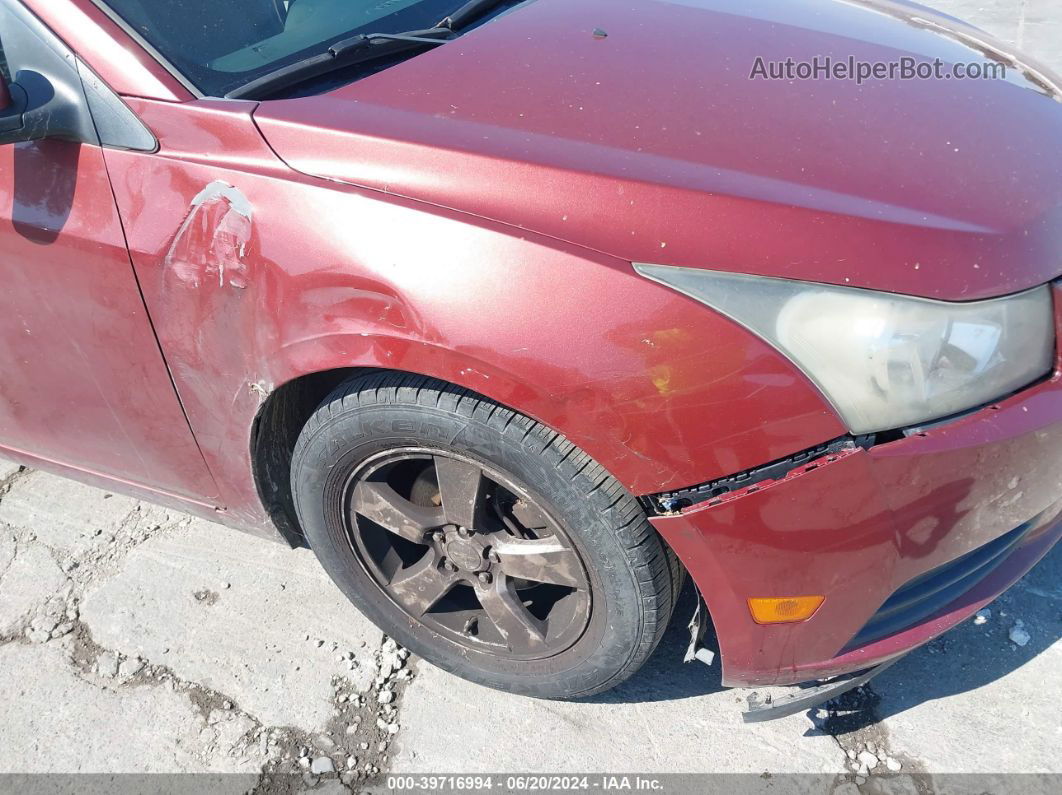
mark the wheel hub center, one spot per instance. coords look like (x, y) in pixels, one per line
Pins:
(465, 555)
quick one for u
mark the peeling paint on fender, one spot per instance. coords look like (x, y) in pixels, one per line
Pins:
(214, 297)
(212, 242)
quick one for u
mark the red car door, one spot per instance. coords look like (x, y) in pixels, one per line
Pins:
(82, 380)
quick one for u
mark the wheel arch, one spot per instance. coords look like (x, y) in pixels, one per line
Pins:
(288, 405)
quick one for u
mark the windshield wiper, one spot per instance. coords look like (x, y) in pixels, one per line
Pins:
(470, 11)
(363, 48)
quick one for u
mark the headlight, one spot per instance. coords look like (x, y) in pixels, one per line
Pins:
(886, 361)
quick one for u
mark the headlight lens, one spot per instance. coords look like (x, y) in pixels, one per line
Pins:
(886, 361)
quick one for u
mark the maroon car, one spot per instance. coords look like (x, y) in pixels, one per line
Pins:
(516, 312)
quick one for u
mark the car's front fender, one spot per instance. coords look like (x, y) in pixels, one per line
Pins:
(255, 276)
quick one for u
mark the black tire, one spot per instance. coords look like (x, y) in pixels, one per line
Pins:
(633, 578)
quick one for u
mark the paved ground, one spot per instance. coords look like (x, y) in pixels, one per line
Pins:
(133, 639)
(136, 639)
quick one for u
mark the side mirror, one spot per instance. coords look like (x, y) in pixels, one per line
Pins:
(12, 112)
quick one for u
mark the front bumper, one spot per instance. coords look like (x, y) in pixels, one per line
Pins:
(862, 525)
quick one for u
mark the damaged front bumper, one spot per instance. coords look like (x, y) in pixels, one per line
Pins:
(793, 699)
(904, 539)
(797, 700)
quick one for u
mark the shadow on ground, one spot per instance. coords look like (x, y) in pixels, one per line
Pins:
(967, 658)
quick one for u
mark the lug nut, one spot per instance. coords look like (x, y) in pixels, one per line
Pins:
(493, 557)
(463, 532)
(438, 537)
(449, 566)
(485, 578)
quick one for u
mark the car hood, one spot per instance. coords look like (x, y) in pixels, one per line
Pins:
(634, 128)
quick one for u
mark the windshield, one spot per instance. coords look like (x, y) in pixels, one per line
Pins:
(220, 45)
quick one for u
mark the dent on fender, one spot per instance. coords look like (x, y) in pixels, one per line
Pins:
(212, 242)
(214, 290)
(209, 251)
(241, 307)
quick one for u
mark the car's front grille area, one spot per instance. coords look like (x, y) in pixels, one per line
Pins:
(922, 597)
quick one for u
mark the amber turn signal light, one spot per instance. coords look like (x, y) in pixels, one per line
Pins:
(785, 609)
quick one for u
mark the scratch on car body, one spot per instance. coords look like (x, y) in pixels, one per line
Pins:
(215, 296)
(212, 241)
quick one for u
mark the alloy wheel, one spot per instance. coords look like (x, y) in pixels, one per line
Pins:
(465, 551)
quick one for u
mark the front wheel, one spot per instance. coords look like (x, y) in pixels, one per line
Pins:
(479, 539)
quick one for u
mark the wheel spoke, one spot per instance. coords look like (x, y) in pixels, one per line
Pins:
(381, 504)
(521, 630)
(545, 560)
(422, 585)
(461, 489)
